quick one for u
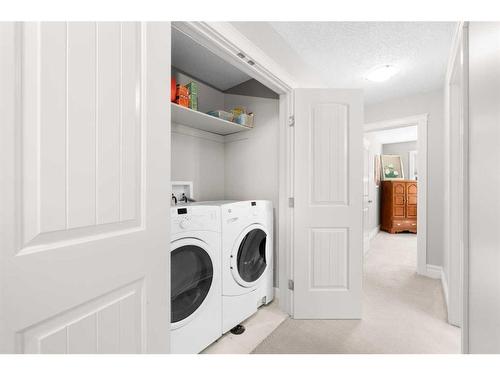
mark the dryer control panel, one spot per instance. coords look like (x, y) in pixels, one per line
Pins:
(195, 218)
(240, 213)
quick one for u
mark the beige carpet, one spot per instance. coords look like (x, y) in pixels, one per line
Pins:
(402, 312)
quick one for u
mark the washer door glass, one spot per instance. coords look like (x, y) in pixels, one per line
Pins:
(191, 277)
(251, 258)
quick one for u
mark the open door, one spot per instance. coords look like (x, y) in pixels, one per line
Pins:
(328, 227)
(85, 187)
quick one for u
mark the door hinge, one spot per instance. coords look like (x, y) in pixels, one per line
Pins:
(291, 202)
(290, 284)
(291, 121)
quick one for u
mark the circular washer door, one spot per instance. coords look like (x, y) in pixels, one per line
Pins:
(251, 256)
(191, 278)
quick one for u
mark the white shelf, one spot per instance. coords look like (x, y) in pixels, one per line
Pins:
(202, 121)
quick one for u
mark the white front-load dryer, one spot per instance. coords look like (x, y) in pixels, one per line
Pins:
(196, 311)
(247, 259)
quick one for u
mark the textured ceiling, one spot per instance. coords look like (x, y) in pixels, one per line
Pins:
(197, 61)
(343, 52)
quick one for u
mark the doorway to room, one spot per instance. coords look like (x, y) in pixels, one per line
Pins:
(395, 185)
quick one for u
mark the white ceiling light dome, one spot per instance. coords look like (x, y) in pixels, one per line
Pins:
(382, 73)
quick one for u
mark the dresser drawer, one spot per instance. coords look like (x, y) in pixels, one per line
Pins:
(404, 224)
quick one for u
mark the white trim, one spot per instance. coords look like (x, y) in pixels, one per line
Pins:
(395, 123)
(374, 232)
(464, 269)
(444, 285)
(457, 282)
(285, 240)
(411, 164)
(433, 271)
(421, 122)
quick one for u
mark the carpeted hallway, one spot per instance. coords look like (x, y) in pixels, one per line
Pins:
(402, 312)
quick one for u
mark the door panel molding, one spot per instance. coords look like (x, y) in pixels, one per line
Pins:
(61, 334)
(329, 147)
(329, 259)
(81, 151)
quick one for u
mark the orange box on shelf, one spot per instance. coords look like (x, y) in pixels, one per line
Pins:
(183, 102)
(182, 96)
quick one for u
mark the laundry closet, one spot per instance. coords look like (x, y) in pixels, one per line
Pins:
(224, 147)
(223, 160)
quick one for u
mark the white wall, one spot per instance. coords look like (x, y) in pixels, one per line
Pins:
(402, 149)
(251, 158)
(431, 103)
(251, 164)
(484, 184)
(198, 156)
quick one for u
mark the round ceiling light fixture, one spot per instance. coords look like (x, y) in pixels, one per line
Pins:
(382, 73)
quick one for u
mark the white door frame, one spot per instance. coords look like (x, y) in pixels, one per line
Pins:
(411, 163)
(458, 279)
(367, 185)
(228, 43)
(421, 122)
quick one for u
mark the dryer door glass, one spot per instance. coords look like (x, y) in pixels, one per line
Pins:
(251, 258)
(191, 277)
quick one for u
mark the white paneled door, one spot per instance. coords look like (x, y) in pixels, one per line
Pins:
(85, 172)
(328, 227)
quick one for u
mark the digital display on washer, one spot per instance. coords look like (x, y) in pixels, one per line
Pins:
(182, 211)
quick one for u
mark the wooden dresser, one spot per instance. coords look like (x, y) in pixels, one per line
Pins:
(398, 209)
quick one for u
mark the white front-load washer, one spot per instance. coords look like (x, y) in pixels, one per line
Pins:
(247, 259)
(196, 307)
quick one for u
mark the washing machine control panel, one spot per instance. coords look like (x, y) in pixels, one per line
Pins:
(195, 218)
(185, 223)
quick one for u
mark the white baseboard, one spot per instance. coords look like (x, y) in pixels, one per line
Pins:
(374, 231)
(371, 235)
(444, 284)
(434, 272)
